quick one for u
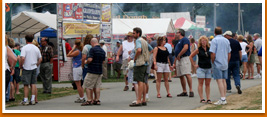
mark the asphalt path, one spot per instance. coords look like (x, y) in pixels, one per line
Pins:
(114, 98)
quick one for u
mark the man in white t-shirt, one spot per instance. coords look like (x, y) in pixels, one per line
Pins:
(126, 48)
(104, 68)
(258, 44)
(30, 59)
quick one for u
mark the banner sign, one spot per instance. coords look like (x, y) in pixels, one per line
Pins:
(91, 11)
(67, 11)
(59, 12)
(201, 21)
(106, 31)
(8, 16)
(106, 13)
(80, 28)
(77, 11)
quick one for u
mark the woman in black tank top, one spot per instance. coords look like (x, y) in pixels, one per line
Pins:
(203, 67)
(162, 65)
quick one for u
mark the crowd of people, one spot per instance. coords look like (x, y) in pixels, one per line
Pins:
(138, 58)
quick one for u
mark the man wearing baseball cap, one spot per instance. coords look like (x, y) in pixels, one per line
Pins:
(234, 62)
(126, 47)
(117, 65)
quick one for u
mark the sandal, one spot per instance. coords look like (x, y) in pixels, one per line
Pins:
(87, 103)
(209, 101)
(191, 94)
(135, 105)
(169, 96)
(158, 96)
(144, 103)
(202, 101)
(96, 102)
(182, 94)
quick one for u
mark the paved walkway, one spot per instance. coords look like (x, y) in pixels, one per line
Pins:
(114, 98)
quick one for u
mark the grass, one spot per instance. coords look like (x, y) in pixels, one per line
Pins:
(242, 108)
(56, 93)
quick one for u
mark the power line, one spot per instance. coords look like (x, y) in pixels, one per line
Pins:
(42, 5)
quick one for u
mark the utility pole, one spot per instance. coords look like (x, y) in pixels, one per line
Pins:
(215, 23)
(239, 29)
(31, 6)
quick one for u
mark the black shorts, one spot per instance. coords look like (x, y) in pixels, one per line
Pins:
(16, 76)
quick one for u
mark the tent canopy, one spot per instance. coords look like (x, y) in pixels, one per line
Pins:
(31, 23)
(185, 24)
(49, 32)
(148, 26)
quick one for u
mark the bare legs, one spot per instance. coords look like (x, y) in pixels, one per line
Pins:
(207, 87)
(79, 88)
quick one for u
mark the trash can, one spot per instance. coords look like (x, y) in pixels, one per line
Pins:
(55, 68)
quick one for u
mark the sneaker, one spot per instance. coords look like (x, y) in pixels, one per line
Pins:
(25, 103)
(228, 91)
(220, 102)
(257, 76)
(133, 89)
(32, 102)
(80, 100)
(154, 81)
(147, 99)
(126, 88)
(238, 90)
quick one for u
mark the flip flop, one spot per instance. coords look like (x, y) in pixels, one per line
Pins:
(169, 96)
(203, 101)
(158, 96)
(209, 102)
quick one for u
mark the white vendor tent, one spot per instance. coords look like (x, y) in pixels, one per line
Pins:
(148, 26)
(32, 23)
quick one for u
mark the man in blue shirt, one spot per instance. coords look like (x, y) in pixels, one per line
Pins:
(94, 73)
(220, 56)
(182, 62)
(233, 68)
(141, 61)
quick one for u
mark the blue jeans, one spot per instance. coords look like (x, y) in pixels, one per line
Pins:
(84, 72)
(234, 69)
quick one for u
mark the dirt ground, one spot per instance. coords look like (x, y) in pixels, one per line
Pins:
(250, 99)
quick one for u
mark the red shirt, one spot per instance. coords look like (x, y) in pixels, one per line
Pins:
(68, 48)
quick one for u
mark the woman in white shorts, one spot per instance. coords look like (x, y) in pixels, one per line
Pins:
(76, 53)
(162, 65)
(203, 67)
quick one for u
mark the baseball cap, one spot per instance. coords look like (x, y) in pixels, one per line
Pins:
(228, 33)
(102, 41)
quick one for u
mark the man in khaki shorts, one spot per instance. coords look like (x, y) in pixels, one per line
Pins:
(94, 73)
(258, 44)
(182, 62)
(126, 48)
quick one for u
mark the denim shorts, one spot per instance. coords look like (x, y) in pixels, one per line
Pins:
(244, 58)
(195, 58)
(203, 73)
(218, 73)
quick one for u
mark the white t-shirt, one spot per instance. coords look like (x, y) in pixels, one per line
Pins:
(127, 46)
(243, 46)
(258, 44)
(31, 54)
(104, 47)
